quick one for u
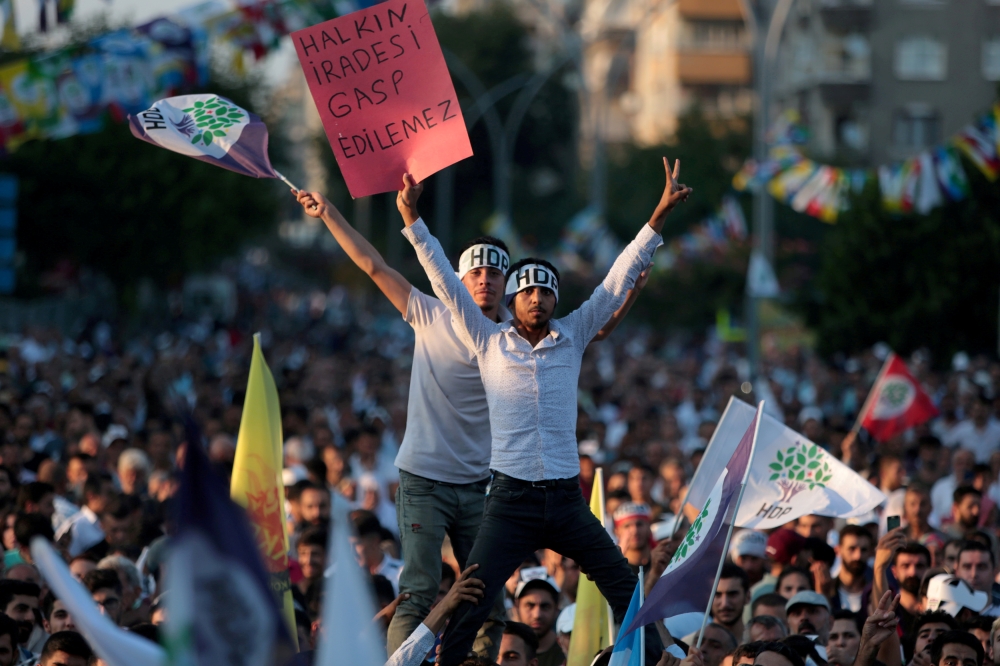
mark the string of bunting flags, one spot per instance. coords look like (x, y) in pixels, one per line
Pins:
(917, 185)
(75, 89)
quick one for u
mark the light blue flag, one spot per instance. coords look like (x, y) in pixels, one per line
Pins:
(628, 648)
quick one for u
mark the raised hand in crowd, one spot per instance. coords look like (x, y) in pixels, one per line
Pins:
(385, 615)
(884, 551)
(879, 628)
(659, 559)
(673, 194)
(694, 658)
(667, 659)
(406, 200)
(464, 589)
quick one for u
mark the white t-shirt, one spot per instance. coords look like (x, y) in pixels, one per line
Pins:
(447, 434)
(981, 442)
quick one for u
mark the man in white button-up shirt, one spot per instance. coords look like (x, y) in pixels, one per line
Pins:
(444, 456)
(530, 367)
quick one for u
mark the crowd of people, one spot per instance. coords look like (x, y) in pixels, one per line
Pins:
(91, 444)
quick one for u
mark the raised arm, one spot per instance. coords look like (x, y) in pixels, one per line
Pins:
(630, 298)
(443, 279)
(610, 295)
(395, 287)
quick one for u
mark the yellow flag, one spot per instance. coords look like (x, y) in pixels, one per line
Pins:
(592, 628)
(9, 39)
(256, 483)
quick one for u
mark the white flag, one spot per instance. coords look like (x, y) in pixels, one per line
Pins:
(790, 477)
(112, 644)
(761, 281)
(349, 635)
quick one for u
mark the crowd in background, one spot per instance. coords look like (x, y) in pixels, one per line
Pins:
(91, 444)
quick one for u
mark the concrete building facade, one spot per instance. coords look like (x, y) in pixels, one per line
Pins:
(881, 80)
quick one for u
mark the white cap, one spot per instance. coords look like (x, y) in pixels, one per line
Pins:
(748, 542)
(292, 475)
(564, 623)
(536, 577)
(951, 594)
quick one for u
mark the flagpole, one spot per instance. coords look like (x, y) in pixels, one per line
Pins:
(286, 181)
(732, 524)
(680, 511)
(871, 394)
(598, 487)
(642, 630)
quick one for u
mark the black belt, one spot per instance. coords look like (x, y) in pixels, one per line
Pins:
(572, 482)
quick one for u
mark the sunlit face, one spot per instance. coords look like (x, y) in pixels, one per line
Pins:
(486, 286)
(842, 647)
(514, 651)
(60, 619)
(727, 607)
(975, 567)
(916, 507)
(926, 635)
(958, 654)
(792, 584)
(534, 306)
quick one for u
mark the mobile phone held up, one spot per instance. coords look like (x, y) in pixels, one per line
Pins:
(891, 523)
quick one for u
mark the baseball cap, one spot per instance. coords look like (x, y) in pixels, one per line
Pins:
(535, 577)
(564, 623)
(783, 545)
(631, 510)
(808, 598)
(951, 594)
(748, 542)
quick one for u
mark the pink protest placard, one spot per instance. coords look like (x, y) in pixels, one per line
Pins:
(384, 94)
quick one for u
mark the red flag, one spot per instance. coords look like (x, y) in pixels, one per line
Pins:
(896, 403)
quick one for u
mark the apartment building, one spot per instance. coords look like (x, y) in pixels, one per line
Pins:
(882, 80)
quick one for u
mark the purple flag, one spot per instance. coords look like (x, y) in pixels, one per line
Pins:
(686, 585)
(208, 128)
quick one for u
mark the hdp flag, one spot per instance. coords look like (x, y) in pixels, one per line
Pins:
(687, 585)
(592, 629)
(896, 403)
(256, 482)
(114, 645)
(209, 128)
(628, 648)
(349, 635)
(214, 568)
(790, 477)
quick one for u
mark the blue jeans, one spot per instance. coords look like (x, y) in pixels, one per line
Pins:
(427, 510)
(522, 517)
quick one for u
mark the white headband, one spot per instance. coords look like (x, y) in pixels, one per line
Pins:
(532, 275)
(479, 256)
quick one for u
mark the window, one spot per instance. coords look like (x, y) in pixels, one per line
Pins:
(916, 127)
(921, 59)
(991, 59)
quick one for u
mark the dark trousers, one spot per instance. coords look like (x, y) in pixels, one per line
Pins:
(520, 518)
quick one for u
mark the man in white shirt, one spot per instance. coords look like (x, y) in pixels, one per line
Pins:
(530, 368)
(444, 457)
(962, 462)
(979, 434)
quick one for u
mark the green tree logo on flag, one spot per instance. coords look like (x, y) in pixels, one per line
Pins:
(799, 467)
(210, 119)
(693, 535)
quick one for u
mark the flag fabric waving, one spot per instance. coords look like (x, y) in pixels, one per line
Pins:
(114, 645)
(209, 128)
(896, 403)
(214, 567)
(687, 584)
(592, 629)
(791, 476)
(628, 648)
(256, 482)
(349, 635)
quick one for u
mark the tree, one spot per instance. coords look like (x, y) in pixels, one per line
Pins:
(131, 210)
(912, 281)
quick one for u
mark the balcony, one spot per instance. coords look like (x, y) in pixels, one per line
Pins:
(846, 15)
(712, 10)
(845, 71)
(713, 68)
